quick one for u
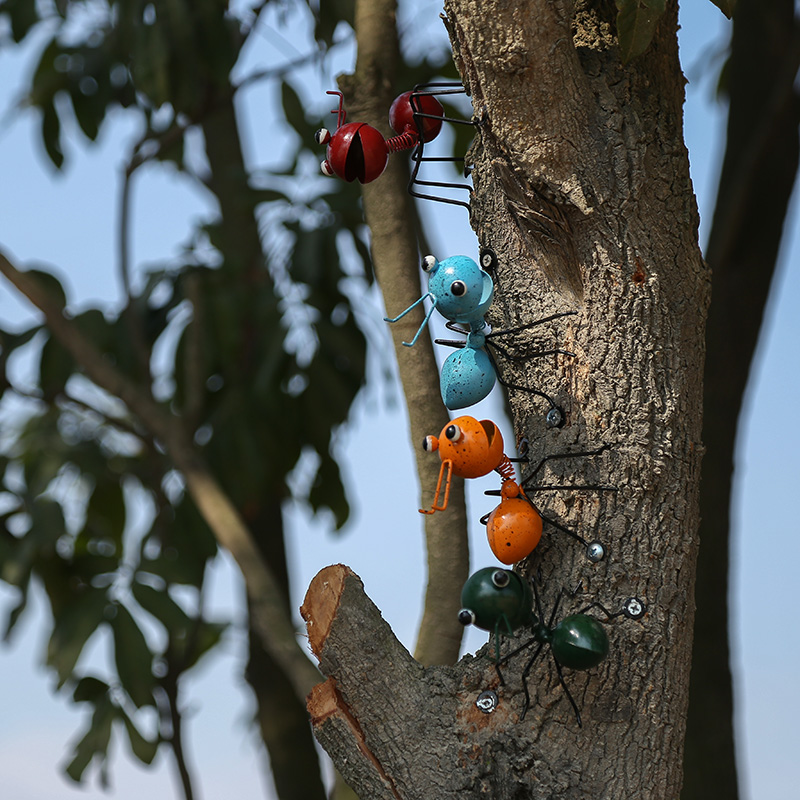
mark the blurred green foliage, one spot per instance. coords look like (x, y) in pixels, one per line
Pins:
(266, 360)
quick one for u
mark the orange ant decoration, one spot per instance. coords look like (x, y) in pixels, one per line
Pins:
(470, 449)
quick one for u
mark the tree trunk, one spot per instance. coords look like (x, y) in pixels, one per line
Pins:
(582, 188)
(758, 175)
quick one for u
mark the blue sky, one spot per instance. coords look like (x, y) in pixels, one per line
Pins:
(69, 221)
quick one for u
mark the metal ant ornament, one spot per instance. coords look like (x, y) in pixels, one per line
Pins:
(499, 601)
(470, 449)
(462, 291)
(514, 528)
(357, 151)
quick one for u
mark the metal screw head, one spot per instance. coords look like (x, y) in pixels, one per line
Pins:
(634, 608)
(554, 418)
(487, 701)
(595, 552)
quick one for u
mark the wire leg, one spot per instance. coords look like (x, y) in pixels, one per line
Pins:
(568, 693)
(508, 385)
(526, 704)
(555, 456)
(447, 465)
(533, 324)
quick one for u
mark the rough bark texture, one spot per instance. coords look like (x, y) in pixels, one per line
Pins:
(582, 188)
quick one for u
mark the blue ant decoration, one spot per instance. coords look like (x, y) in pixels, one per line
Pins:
(462, 291)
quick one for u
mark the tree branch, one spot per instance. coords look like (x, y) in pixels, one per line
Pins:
(391, 217)
(274, 627)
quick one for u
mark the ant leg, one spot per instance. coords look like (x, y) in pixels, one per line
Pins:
(555, 415)
(418, 156)
(456, 328)
(450, 342)
(595, 550)
(568, 693)
(410, 308)
(504, 352)
(632, 608)
(525, 673)
(508, 331)
(533, 324)
(555, 456)
(447, 465)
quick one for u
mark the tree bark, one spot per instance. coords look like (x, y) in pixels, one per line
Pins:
(582, 189)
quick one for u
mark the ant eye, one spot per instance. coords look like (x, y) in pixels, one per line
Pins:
(430, 444)
(453, 433)
(326, 169)
(428, 263)
(458, 288)
(466, 617)
(322, 136)
(500, 578)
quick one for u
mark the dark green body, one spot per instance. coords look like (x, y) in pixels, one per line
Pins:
(578, 641)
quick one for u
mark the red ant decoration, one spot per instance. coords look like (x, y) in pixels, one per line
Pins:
(359, 151)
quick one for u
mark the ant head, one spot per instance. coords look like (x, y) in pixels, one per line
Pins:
(494, 598)
(462, 289)
(356, 151)
(474, 447)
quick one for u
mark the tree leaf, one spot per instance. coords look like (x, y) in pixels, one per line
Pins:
(23, 16)
(50, 284)
(160, 605)
(328, 491)
(636, 25)
(75, 622)
(143, 748)
(94, 742)
(295, 111)
(133, 658)
(203, 638)
(89, 690)
(51, 135)
(56, 365)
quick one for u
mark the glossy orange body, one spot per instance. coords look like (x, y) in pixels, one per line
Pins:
(514, 528)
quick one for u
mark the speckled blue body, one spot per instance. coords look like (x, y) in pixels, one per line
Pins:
(467, 378)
